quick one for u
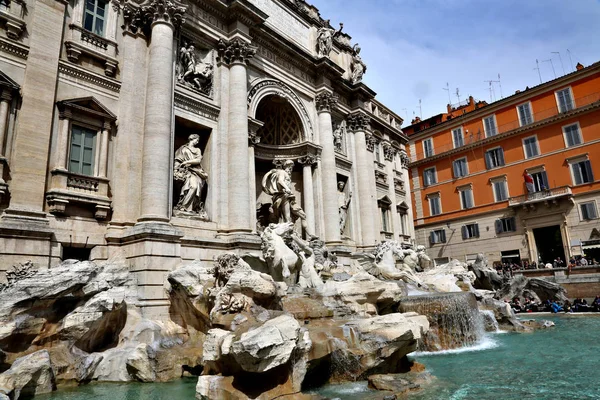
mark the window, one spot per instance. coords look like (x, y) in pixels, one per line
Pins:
(470, 231)
(428, 147)
(489, 126)
(494, 158)
(429, 176)
(500, 190)
(582, 172)
(435, 205)
(93, 21)
(530, 147)
(572, 135)
(540, 181)
(564, 100)
(525, 116)
(506, 225)
(588, 210)
(83, 145)
(466, 198)
(437, 236)
(460, 167)
(384, 205)
(457, 137)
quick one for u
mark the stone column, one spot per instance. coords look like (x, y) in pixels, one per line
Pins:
(307, 162)
(221, 145)
(324, 102)
(388, 155)
(5, 100)
(156, 175)
(367, 192)
(236, 53)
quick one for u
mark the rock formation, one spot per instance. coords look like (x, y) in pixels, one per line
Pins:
(533, 288)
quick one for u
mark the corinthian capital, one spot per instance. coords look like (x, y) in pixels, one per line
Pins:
(359, 122)
(141, 17)
(235, 50)
(326, 101)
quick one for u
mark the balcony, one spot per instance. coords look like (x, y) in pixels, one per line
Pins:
(86, 191)
(472, 140)
(549, 197)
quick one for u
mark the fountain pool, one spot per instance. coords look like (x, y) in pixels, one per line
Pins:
(557, 363)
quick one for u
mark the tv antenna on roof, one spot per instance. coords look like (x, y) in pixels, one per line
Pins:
(458, 95)
(500, 84)
(420, 110)
(537, 63)
(491, 89)
(552, 64)
(447, 89)
(561, 63)
(570, 59)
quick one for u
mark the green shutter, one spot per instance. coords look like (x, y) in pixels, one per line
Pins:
(83, 145)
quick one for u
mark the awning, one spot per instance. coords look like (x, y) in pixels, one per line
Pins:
(591, 246)
(511, 254)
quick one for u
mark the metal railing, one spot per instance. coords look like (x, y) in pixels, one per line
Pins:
(542, 195)
(510, 126)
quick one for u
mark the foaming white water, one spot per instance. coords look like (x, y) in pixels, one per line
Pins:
(486, 343)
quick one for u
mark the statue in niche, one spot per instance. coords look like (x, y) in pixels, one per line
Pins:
(358, 67)
(343, 204)
(194, 72)
(278, 183)
(338, 136)
(325, 36)
(188, 170)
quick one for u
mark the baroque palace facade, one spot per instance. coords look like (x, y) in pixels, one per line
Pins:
(144, 132)
(517, 179)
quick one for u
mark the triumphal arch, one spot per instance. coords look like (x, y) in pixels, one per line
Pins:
(160, 132)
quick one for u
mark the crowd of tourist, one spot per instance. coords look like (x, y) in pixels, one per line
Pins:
(508, 268)
(578, 305)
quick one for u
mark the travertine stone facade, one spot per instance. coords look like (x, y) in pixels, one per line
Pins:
(93, 109)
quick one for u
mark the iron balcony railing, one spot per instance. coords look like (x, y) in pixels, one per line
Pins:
(470, 137)
(542, 195)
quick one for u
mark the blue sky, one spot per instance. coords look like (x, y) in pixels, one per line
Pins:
(413, 47)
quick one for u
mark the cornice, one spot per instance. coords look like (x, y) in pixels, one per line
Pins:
(88, 76)
(13, 48)
(196, 106)
(501, 136)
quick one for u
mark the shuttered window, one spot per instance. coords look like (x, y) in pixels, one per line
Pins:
(530, 147)
(588, 210)
(437, 236)
(506, 225)
(466, 198)
(460, 167)
(540, 181)
(500, 190)
(83, 143)
(435, 206)
(470, 231)
(572, 135)
(489, 125)
(428, 147)
(582, 172)
(429, 177)
(525, 116)
(494, 158)
(564, 100)
(457, 136)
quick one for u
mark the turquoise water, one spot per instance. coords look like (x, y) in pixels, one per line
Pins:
(558, 363)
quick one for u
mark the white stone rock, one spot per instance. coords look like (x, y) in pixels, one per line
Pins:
(29, 376)
(211, 350)
(192, 277)
(267, 346)
(141, 363)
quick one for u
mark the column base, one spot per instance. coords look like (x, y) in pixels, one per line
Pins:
(153, 218)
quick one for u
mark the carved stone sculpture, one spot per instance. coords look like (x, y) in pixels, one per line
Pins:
(338, 136)
(193, 71)
(343, 204)
(382, 264)
(325, 39)
(278, 184)
(358, 67)
(188, 170)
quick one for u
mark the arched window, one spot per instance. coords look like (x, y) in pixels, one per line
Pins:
(281, 122)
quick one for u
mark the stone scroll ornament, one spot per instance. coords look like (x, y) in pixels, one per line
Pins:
(188, 171)
(195, 69)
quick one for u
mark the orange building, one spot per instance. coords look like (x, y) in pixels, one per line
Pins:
(517, 179)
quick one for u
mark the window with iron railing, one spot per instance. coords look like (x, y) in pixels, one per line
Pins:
(489, 125)
(525, 115)
(564, 100)
(457, 137)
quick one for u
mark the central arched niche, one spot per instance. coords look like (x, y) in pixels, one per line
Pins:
(282, 125)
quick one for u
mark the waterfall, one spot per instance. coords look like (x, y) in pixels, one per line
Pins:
(454, 319)
(489, 321)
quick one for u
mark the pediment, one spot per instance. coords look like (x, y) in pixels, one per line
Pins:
(7, 82)
(88, 105)
(403, 206)
(595, 234)
(385, 200)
